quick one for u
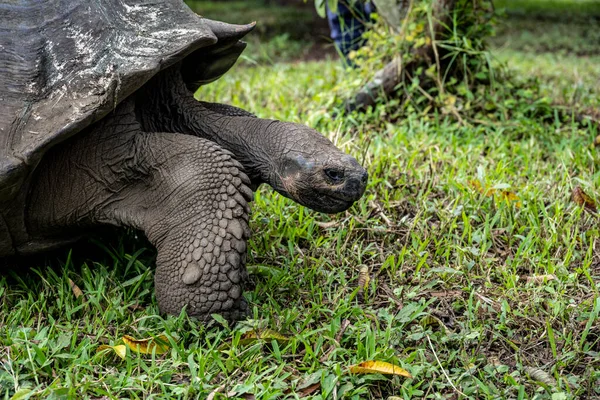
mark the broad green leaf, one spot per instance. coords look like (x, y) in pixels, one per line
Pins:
(21, 394)
(320, 7)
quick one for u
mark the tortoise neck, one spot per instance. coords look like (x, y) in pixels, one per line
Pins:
(166, 105)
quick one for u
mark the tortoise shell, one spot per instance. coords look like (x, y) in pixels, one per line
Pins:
(65, 64)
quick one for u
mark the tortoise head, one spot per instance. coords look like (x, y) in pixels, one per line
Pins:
(307, 168)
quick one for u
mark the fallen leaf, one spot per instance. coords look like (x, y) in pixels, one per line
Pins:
(494, 361)
(505, 195)
(307, 391)
(510, 197)
(582, 199)
(120, 350)
(597, 141)
(379, 367)
(433, 321)
(262, 334)
(541, 278)
(327, 225)
(363, 282)
(212, 394)
(76, 291)
(159, 344)
(540, 376)
(444, 294)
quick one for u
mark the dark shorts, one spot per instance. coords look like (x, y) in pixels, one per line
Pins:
(347, 25)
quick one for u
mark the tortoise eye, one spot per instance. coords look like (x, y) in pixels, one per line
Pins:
(336, 175)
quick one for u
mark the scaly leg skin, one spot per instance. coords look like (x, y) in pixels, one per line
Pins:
(188, 195)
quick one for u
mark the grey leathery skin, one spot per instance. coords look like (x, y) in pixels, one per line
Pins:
(297, 161)
(189, 197)
(99, 127)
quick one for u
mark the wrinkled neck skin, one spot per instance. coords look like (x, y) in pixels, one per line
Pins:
(167, 105)
(295, 160)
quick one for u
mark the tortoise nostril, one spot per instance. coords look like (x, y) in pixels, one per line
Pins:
(364, 177)
(336, 175)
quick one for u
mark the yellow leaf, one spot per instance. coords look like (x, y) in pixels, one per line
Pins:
(76, 291)
(262, 334)
(582, 199)
(597, 141)
(119, 350)
(433, 321)
(379, 367)
(159, 344)
(450, 100)
(505, 195)
(475, 184)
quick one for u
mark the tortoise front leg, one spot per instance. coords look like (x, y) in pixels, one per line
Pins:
(189, 197)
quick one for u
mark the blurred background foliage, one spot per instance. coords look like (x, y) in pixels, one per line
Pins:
(468, 78)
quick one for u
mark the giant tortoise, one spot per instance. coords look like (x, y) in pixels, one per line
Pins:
(99, 126)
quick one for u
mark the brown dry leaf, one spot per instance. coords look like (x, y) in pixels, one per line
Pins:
(379, 367)
(444, 294)
(494, 361)
(159, 344)
(120, 350)
(262, 334)
(541, 376)
(582, 199)
(307, 391)
(212, 394)
(538, 279)
(76, 291)
(363, 282)
(327, 225)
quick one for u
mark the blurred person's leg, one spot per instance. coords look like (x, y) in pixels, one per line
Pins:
(347, 25)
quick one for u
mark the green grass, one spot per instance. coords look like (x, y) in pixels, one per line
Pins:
(433, 243)
(555, 9)
(567, 27)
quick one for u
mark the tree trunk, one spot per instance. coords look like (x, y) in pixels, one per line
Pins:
(386, 80)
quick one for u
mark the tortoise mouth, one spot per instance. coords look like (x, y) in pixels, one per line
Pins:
(332, 205)
(321, 203)
(329, 199)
